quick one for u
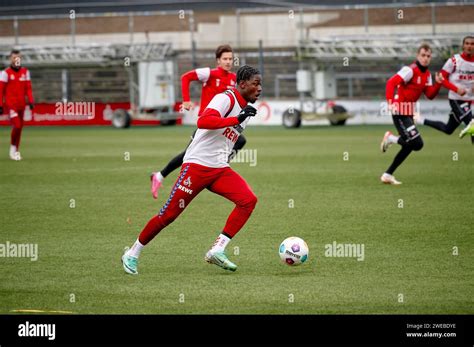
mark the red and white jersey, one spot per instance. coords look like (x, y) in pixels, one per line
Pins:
(214, 81)
(461, 74)
(414, 82)
(411, 82)
(212, 147)
(15, 87)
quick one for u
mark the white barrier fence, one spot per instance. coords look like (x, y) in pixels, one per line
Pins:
(270, 112)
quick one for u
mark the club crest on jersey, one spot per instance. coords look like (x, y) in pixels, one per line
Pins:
(12, 77)
(218, 82)
(418, 80)
(188, 182)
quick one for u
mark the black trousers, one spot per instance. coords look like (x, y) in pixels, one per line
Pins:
(461, 112)
(410, 140)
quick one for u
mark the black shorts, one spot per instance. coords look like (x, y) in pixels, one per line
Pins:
(406, 127)
(461, 111)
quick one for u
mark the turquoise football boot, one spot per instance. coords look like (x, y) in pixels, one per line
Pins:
(221, 260)
(129, 263)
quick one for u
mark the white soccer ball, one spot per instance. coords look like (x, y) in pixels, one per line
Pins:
(293, 251)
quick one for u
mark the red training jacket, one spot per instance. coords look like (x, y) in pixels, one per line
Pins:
(15, 85)
(411, 82)
(214, 81)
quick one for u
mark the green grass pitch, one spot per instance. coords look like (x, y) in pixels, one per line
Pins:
(418, 258)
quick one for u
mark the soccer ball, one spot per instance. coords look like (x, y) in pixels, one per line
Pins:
(293, 251)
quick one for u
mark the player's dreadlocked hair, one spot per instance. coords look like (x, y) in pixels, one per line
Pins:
(246, 72)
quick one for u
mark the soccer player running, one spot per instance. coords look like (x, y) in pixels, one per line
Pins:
(213, 81)
(206, 166)
(458, 77)
(15, 86)
(411, 81)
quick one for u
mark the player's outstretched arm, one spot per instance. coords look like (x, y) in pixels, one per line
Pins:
(201, 75)
(448, 68)
(448, 85)
(392, 83)
(186, 80)
(432, 91)
(211, 119)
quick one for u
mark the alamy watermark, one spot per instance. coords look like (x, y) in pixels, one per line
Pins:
(407, 108)
(75, 110)
(347, 250)
(19, 250)
(244, 156)
(37, 330)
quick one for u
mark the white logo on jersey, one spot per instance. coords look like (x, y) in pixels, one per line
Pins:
(184, 189)
(12, 77)
(218, 81)
(188, 182)
(231, 134)
(418, 81)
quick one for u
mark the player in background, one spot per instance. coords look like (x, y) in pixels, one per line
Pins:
(214, 81)
(15, 86)
(206, 166)
(458, 77)
(411, 81)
